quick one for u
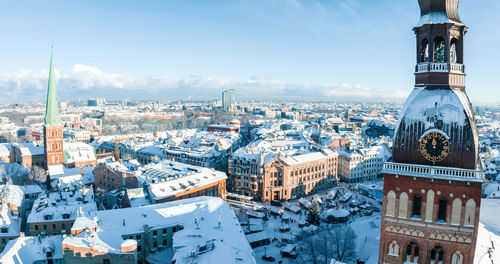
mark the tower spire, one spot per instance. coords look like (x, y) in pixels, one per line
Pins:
(52, 117)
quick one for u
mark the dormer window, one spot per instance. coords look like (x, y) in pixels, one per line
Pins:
(4, 230)
(65, 216)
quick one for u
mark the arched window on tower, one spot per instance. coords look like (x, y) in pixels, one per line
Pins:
(442, 210)
(437, 255)
(393, 249)
(403, 205)
(454, 51)
(412, 251)
(456, 211)
(424, 50)
(439, 50)
(429, 206)
(417, 204)
(470, 212)
(457, 258)
(391, 204)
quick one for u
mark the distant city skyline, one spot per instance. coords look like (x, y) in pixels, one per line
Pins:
(265, 50)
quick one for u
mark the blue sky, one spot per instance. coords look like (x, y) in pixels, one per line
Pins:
(265, 49)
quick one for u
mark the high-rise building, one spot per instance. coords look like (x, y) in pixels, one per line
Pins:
(432, 187)
(96, 101)
(227, 99)
(52, 129)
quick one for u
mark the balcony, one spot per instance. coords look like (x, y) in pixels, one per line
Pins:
(444, 173)
(440, 67)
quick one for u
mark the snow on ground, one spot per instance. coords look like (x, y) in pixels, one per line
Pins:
(488, 238)
(367, 228)
(161, 256)
(272, 227)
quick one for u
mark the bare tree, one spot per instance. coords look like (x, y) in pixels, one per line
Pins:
(327, 242)
(38, 174)
(344, 239)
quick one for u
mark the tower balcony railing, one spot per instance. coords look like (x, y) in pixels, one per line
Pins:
(440, 67)
(444, 173)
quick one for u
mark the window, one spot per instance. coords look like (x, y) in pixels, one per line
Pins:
(36, 227)
(439, 50)
(454, 51)
(164, 231)
(457, 258)
(391, 204)
(139, 248)
(470, 212)
(155, 232)
(429, 206)
(54, 226)
(403, 205)
(106, 261)
(44, 227)
(456, 211)
(437, 254)
(393, 249)
(417, 204)
(412, 251)
(442, 210)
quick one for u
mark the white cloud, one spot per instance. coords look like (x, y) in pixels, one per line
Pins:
(83, 81)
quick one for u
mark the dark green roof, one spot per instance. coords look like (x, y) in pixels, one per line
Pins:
(52, 117)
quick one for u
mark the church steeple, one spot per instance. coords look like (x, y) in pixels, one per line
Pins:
(444, 10)
(52, 130)
(52, 117)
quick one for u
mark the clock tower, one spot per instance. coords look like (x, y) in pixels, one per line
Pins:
(432, 186)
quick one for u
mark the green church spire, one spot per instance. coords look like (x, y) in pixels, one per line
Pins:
(52, 117)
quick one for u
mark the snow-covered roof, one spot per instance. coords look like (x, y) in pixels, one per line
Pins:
(31, 148)
(5, 149)
(64, 177)
(171, 178)
(259, 236)
(78, 152)
(152, 150)
(298, 159)
(12, 171)
(12, 194)
(62, 205)
(436, 18)
(200, 218)
(10, 222)
(338, 213)
(32, 249)
(31, 189)
(137, 197)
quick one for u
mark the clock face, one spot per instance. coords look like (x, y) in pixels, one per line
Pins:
(434, 146)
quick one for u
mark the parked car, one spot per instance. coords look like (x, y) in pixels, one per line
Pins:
(268, 258)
